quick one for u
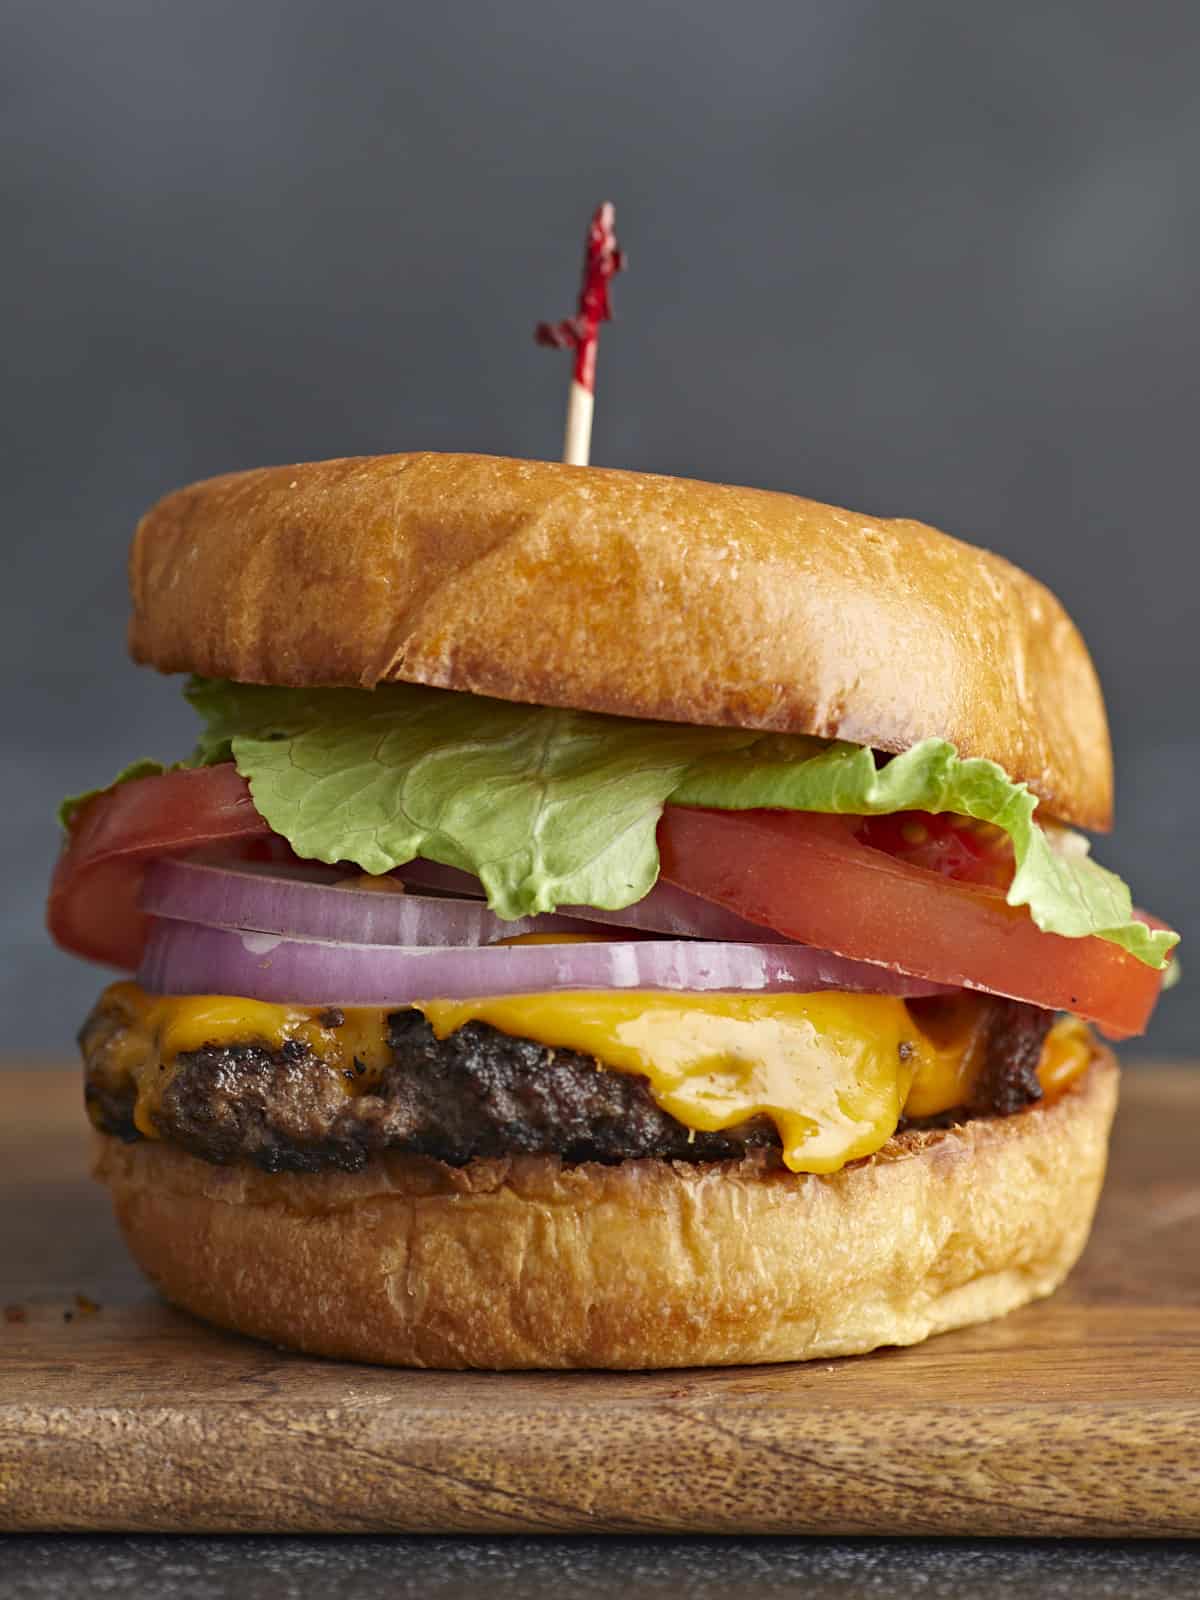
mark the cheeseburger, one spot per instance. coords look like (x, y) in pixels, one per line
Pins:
(606, 921)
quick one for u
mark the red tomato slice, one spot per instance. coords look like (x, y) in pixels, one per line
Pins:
(957, 847)
(93, 909)
(809, 877)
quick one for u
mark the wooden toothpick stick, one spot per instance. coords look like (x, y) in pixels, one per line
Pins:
(581, 333)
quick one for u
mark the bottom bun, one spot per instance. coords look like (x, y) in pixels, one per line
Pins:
(530, 1263)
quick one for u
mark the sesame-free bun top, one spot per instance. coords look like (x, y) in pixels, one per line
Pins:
(623, 592)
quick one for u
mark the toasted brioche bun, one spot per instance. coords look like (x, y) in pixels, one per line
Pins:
(530, 1263)
(623, 592)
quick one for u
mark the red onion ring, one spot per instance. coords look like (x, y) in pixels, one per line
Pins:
(313, 902)
(188, 958)
(666, 909)
(433, 875)
(308, 904)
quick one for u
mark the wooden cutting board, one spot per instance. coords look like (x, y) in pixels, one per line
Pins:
(1080, 1415)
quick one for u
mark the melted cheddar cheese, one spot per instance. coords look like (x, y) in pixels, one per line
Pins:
(350, 1040)
(833, 1072)
(829, 1070)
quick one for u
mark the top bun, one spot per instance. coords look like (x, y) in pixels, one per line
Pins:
(623, 592)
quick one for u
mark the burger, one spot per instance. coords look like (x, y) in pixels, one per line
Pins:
(606, 920)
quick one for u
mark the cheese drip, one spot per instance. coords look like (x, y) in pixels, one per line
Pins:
(832, 1072)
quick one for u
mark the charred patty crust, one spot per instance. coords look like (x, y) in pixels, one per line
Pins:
(478, 1092)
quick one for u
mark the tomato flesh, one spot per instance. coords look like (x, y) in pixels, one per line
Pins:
(93, 908)
(952, 846)
(811, 878)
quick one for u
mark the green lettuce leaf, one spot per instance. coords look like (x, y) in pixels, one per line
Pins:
(547, 807)
(554, 807)
(1066, 891)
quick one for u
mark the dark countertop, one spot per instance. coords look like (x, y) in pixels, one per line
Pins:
(688, 1569)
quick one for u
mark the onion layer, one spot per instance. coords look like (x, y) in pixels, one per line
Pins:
(666, 909)
(313, 901)
(188, 958)
(309, 903)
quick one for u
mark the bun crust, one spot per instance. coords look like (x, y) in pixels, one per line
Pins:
(623, 592)
(527, 1263)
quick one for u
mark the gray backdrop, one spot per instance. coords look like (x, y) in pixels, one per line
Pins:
(931, 257)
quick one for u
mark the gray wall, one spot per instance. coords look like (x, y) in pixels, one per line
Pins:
(931, 257)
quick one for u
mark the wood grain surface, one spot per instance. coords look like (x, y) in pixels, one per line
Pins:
(1078, 1416)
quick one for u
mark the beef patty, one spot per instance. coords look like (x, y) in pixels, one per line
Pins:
(478, 1092)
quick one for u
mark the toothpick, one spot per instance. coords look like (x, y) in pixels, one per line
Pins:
(602, 260)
